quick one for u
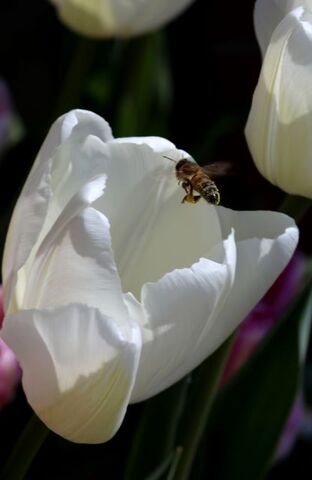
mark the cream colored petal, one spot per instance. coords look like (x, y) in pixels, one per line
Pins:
(106, 18)
(78, 369)
(157, 144)
(75, 262)
(188, 313)
(141, 189)
(155, 233)
(269, 13)
(140, 16)
(177, 313)
(84, 155)
(279, 126)
(77, 161)
(31, 210)
(265, 242)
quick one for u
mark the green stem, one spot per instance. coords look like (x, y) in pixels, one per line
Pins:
(175, 463)
(151, 445)
(146, 90)
(204, 391)
(25, 450)
(296, 207)
(75, 77)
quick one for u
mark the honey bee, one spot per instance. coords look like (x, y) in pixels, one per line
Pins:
(193, 177)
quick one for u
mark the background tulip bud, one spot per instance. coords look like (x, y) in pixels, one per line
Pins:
(279, 125)
(117, 18)
(269, 13)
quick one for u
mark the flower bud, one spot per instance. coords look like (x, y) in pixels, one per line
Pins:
(279, 125)
(117, 18)
(269, 13)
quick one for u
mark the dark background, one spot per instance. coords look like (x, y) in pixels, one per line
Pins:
(213, 61)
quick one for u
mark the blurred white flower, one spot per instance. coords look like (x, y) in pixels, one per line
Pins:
(269, 13)
(279, 126)
(114, 290)
(118, 18)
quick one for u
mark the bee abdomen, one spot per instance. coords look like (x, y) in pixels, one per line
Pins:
(209, 187)
(210, 192)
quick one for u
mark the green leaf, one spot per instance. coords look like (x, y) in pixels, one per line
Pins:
(248, 416)
(174, 463)
(25, 450)
(153, 445)
(295, 206)
(205, 383)
(145, 100)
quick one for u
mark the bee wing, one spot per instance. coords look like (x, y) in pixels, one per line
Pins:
(220, 169)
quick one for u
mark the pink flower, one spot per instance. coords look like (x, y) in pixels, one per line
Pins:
(265, 314)
(1, 307)
(255, 327)
(9, 369)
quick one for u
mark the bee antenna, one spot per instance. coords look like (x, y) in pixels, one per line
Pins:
(171, 159)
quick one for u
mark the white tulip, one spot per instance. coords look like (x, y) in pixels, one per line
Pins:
(279, 125)
(114, 290)
(118, 18)
(269, 13)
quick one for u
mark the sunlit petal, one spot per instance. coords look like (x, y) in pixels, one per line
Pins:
(31, 209)
(187, 314)
(269, 13)
(279, 126)
(84, 364)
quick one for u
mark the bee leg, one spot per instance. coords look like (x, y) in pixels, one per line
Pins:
(189, 197)
(187, 187)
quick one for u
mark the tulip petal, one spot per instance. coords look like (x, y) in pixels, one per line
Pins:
(105, 18)
(75, 262)
(157, 144)
(126, 162)
(265, 242)
(139, 16)
(269, 13)
(138, 183)
(200, 307)
(177, 312)
(78, 368)
(31, 208)
(279, 125)
(145, 182)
